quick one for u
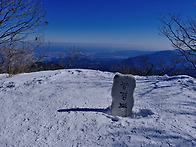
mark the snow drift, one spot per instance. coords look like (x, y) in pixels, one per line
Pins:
(71, 108)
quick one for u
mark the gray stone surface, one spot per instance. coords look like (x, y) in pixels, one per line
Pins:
(122, 95)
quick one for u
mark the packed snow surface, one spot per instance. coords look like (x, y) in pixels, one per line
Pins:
(67, 108)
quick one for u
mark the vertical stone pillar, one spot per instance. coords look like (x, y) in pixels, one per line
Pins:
(122, 95)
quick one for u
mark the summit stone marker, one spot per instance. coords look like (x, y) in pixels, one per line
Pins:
(122, 95)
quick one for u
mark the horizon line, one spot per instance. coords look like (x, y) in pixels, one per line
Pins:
(115, 45)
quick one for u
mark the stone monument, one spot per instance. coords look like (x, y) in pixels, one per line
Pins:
(122, 95)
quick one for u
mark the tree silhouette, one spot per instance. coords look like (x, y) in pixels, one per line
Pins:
(181, 33)
(21, 32)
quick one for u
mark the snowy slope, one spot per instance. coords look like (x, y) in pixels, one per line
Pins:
(70, 108)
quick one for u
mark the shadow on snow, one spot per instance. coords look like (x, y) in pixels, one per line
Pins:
(84, 110)
(141, 114)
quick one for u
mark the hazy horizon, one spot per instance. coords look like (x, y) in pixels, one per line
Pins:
(106, 46)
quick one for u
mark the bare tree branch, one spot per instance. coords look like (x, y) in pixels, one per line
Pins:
(182, 34)
(21, 32)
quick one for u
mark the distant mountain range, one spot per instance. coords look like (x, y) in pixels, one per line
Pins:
(169, 62)
(158, 62)
(105, 60)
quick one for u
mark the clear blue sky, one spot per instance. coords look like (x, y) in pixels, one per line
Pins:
(131, 23)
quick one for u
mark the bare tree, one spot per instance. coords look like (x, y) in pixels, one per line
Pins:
(143, 67)
(68, 59)
(21, 32)
(147, 65)
(20, 18)
(182, 34)
(127, 69)
(168, 66)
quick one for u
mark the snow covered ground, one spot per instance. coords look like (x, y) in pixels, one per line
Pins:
(70, 108)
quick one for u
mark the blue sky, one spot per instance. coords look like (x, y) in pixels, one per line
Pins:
(132, 23)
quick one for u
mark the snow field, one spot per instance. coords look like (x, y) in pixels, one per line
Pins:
(71, 108)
